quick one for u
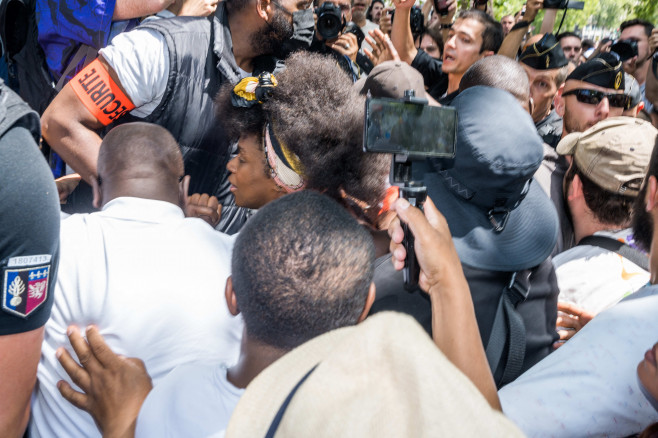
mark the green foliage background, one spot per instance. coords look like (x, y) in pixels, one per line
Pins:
(607, 14)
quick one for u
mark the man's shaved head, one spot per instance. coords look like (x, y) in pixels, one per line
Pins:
(139, 150)
(498, 71)
(140, 160)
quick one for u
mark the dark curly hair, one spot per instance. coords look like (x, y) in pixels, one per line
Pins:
(316, 112)
(301, 266)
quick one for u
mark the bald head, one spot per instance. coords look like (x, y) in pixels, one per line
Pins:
(499, 72)
(140, 160)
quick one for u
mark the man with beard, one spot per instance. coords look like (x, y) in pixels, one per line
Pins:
(593, 92)
(555, 397)
(571, 46)
(609, 163)
(546, 67)
(638, 31)
(167, 72)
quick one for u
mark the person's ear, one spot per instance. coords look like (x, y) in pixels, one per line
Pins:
(263, 9)
(370, 299)
(531, 105)
(183, 189)
(231, 301)
(487, 53)
(558, 101)
(97, 192)
(575, 189)
(652, 193)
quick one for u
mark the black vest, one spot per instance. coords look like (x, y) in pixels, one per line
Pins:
(200, 61)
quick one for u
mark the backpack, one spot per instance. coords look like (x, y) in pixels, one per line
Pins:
(19, 33)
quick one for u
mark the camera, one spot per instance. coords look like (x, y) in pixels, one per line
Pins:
(416, 20)
(563, 4)
(626, 49)
(331, 23)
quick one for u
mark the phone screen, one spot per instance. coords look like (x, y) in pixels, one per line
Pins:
(408, 128)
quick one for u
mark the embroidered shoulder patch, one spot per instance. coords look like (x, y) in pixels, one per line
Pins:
(25, 287)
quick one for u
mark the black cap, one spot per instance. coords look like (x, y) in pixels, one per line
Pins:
(632, 88)
(545, 54)
(604, 70)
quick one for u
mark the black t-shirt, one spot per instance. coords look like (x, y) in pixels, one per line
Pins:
(29, 237)
(538, 311)
(431, 69)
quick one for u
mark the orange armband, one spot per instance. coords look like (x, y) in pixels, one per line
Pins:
(100, 94)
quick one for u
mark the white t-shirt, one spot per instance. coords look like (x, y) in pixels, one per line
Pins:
(589, 386)
(594, 278)
(367, 27)
(194, 400)
(140, 59)
(153, 282)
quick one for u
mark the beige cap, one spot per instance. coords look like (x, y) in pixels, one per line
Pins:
(382, 378)
(614, 153)
(391, 79)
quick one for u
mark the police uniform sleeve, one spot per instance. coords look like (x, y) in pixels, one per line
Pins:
(29, 241)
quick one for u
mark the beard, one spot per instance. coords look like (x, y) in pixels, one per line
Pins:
(642, 222)
(358, 15)
(270, 37)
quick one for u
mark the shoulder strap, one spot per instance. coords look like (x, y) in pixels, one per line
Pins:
(621, 248)
(85, 52)
(509, 330)
(282, 410)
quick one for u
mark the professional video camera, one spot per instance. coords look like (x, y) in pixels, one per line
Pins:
(331, 23)
(626, 49)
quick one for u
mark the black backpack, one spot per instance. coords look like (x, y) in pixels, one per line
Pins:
(19, 33)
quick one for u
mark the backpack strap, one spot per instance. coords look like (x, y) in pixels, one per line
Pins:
(509, 330)
(634, 255)
(85, 52)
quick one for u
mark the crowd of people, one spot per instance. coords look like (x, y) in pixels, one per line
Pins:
(155, 154)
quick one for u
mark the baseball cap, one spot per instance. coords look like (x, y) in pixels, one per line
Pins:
(614, 153)
(391, 79)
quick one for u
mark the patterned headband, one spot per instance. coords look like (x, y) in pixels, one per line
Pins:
(285, 167)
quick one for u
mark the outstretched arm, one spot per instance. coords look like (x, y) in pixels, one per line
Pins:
(403, 40)
(513, 40)
(454, 327)
(114, 387)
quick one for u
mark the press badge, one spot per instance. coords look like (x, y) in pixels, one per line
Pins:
(100, 94)
(25, 284)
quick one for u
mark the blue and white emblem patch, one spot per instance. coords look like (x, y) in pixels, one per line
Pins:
(25, 284)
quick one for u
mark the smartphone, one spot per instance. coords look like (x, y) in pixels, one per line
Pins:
(409, 128)
(441, 7)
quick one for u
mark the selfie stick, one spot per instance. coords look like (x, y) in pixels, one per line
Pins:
(416, 194)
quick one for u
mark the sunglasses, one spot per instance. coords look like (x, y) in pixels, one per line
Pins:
(594, 97)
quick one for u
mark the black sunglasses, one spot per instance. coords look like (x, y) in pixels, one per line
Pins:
(594, 97)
